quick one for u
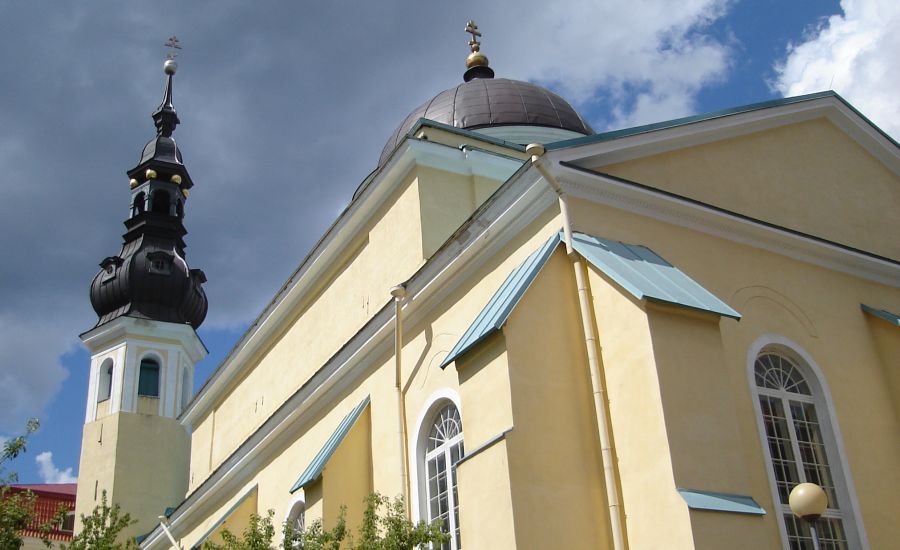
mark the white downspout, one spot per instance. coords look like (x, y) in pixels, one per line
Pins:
(536, 150)
(163, 523)
(399, 293)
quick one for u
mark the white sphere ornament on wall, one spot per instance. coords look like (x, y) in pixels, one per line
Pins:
(808, 501)
(176, 179)
(150, 173)
(133, 183)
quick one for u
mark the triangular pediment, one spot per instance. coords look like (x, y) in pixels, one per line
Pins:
(813, 166)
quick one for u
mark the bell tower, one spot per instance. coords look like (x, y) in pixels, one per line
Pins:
(149, 303)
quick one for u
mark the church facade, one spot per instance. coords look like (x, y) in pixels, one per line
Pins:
(542, 336)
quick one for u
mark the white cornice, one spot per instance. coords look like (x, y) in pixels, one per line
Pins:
(717, 128)
(125, 328)
(662, 206)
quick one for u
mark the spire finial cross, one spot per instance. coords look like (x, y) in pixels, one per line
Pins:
(472, 29)
(173, 44)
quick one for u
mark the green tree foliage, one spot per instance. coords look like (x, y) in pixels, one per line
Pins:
(17, 507)
(384, 527)
(257, 536)
(100, 530)
(16, 512)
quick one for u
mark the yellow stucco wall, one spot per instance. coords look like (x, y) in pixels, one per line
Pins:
(803, 176)
(486, 509)
(347, 478)
(116, 458)
(655, 514)
(556, 472)
(701, 421)
(446, 201)
(886, 337)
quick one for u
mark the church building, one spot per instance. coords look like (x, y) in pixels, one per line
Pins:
(542, 336)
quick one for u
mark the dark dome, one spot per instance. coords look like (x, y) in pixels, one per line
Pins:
(150, 280)
(484, 102)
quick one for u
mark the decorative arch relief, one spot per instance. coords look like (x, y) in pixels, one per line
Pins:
(743, 296)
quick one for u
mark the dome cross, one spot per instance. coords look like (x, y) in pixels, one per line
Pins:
(173, 44)
(472, 29)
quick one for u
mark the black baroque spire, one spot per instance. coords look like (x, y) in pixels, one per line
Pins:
(150, 278)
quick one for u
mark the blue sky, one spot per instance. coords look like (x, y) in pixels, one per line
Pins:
(270, 95)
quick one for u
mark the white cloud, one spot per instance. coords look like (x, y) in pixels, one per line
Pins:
(50, 473)
(30, 370)
(854, 54)
(648, 60)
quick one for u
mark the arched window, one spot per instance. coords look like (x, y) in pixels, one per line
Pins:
(296, 516)
(801, 447)
(148, 378)
(185, 388)
(444, 448)
(138, 205)
(104, 390)
(160, 202)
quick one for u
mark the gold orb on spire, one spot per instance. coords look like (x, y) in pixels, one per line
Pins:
(476, 58)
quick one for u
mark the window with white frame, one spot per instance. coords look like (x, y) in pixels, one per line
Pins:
(148, 378)
(444, 448)
(185, 388)
(104, 391)
(296, 517)
(801, 448)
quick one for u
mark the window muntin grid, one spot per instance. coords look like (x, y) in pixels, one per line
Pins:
(776, 372)
(444, 450)
(829, 531)
(797, 450)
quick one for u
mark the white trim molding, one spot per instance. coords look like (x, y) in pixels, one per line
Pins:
(655, 204)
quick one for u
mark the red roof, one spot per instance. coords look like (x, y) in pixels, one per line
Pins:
(50, 488)
(50, 498)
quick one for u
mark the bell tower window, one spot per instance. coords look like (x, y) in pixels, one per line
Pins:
(185, 388)
(160, 262)
(104, 390)
(139, 204)
(148, 379)
(160, 202)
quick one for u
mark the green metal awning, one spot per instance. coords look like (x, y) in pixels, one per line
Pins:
(501, 304)
(721, 502)
(647, 276)
(314, 470)
(891, 318)
(215, 526)
(635, 268)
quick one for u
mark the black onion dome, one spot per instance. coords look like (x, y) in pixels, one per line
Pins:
(149, 280)
(484, 102)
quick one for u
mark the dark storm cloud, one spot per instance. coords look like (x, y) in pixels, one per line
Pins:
(284, 107)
